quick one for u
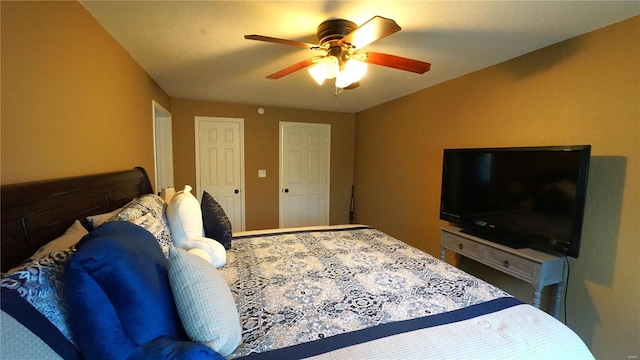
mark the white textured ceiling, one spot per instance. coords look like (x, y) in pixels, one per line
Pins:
(196, 49)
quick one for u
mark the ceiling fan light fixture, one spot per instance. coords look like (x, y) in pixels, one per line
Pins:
(317, 72)
(352, 71)
(332, 68)
(355, 69)
(343, 80)
(325, 68)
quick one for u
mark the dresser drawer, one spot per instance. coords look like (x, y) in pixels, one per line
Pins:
(513, 265)
(462, 246)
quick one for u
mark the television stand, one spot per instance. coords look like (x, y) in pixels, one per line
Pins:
(535, 267)
(499, 240)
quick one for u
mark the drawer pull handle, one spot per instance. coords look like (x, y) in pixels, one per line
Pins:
(460, 246)
(506, 263)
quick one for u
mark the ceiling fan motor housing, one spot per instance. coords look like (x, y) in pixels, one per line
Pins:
(334, 29)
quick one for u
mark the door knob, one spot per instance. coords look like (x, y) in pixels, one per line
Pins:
(286, 190)
(236, 191)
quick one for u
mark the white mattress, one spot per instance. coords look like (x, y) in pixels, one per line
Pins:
(518, 332)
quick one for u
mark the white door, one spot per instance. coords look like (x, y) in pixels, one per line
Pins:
(163, 147)
(304, 174)
(220, 164)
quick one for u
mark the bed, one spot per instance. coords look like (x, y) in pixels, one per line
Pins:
(336, 292)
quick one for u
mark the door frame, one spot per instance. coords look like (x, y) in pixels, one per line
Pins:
(197, 185)
(160, 115)
(281, 168)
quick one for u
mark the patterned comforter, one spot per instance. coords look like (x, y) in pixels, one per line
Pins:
(301, 286)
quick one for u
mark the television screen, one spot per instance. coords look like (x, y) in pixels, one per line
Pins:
(521, 197)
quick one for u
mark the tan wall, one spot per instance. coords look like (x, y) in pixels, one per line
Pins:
(73, 100)
(584, 90)
(261, 152)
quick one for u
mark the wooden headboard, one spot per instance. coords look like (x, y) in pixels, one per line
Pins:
(35, 213)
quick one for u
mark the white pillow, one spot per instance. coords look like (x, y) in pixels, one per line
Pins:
(216, 253)
(201, 253)
(97, 220)
(70, 237)
(184, 217)
(204, 302)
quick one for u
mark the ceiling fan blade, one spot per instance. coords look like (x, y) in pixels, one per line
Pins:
(280, 41)
(374, 29)
(293, 68)
(397, 62)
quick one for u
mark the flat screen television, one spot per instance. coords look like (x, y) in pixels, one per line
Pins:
(521, 197)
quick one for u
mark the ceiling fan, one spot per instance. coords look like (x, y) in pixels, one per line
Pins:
(341, 42)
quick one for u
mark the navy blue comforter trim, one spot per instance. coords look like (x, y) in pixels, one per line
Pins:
(358, 337)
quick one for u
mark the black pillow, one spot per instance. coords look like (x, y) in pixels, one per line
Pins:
(216, 223)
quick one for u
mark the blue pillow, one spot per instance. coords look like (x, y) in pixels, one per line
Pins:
(169, 349)
(119, 297)
(215, 221)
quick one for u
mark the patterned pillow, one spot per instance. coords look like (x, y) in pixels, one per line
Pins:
(216, 223)
(148, 212)
(96, 220)
(40, 283)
